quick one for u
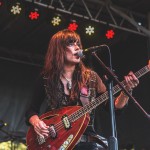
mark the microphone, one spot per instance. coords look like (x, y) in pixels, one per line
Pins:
(2, 124)
(82, 53)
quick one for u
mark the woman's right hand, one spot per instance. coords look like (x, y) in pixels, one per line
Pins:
(39, 126)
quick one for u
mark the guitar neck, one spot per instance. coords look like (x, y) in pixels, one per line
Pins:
(93, 104)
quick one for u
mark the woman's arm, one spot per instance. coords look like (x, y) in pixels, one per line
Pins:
(32, 117)
(131, 83)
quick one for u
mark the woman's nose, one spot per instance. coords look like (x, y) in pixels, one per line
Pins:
(76, 46)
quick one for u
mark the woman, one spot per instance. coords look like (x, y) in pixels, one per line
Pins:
(67, 82)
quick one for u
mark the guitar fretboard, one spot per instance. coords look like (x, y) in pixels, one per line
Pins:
(97, 101)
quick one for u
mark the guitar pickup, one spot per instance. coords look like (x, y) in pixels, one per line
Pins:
(52, 132)
(66, 122)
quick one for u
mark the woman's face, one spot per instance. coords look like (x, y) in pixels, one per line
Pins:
(71, 53)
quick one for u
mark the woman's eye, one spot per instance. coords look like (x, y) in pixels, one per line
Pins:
(70, 44)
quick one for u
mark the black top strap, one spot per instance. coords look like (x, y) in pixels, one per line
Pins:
(92, 85)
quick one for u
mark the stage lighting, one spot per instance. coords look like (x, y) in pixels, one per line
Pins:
(110, 34)
(16, 8)
(89, 30)
(73, 26)
(34, 14)
(56, 21)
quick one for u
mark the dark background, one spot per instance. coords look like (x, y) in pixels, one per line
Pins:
(22, 40)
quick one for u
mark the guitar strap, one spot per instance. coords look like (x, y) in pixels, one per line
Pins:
(88, 92)
(84, 100)
(92, 86)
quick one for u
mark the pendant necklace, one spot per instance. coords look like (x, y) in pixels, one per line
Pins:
(69, 82)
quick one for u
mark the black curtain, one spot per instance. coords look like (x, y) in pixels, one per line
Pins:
(16, 88)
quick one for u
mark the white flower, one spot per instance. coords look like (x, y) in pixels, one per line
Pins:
(89, 30)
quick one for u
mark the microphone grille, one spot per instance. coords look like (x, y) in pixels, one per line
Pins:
(80, 53)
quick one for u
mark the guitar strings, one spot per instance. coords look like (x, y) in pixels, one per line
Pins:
(91, 105)
(60, 125)
(79, 112)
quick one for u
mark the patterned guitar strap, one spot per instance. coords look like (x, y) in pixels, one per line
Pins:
(86, 96)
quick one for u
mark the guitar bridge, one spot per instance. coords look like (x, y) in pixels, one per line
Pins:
(40, 139)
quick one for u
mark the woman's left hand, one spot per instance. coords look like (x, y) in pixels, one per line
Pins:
(131, 81)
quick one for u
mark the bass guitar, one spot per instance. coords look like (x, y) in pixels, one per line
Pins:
(66, 125)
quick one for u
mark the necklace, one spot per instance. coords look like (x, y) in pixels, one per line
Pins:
(69, 82)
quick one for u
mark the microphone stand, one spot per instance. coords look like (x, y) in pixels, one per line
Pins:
(112, 143)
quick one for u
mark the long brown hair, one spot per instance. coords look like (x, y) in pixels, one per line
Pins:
(55, 59)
